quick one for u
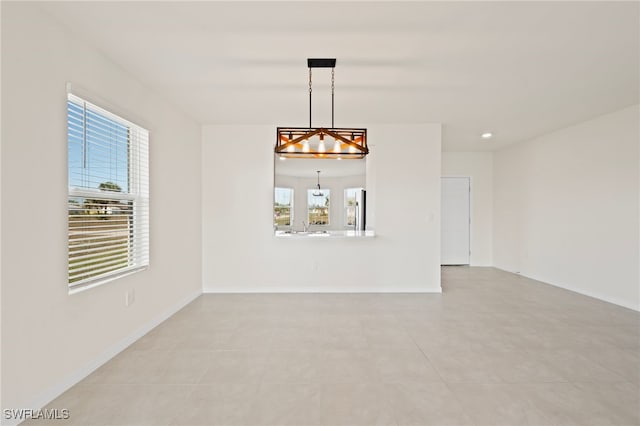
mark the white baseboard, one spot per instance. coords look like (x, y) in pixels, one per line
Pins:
(53, 392)
(335, 290)
(595, 295)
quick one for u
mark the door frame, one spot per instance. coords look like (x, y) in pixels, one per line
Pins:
(470, 210)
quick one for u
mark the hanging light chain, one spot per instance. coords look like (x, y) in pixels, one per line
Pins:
(289, 139)
(310, 90)
(333, 80)
(333, 89)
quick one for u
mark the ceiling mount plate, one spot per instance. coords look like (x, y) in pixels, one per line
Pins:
(321, 62)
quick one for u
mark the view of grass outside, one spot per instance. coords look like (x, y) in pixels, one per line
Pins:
(282, 215)
(318, 206)
(99, 237)
(282, 206)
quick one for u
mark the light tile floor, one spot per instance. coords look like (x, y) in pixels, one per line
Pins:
(493, 349)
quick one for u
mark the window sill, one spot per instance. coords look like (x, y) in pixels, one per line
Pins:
(79, 288)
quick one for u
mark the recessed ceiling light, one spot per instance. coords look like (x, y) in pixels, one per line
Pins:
(487, 135)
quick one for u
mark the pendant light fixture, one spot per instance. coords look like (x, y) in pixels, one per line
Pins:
(319, 192)
(309, 142)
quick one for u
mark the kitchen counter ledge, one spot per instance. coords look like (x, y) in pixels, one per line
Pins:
(324, 234)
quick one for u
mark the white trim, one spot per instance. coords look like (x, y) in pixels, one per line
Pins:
(568, 287)
(63, 385)
(471, 221)
(137, 252)
(288, 290)
(291, 205)
(328, 207)
(104, 104)
(472, 261)
(110, 276)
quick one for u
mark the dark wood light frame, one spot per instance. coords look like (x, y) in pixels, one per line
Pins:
(353, 141)
(355, 138)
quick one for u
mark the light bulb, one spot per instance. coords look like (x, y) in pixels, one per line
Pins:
(336, 146)
(352, 149)
(291, 148)
(305, 146)
(321, 147)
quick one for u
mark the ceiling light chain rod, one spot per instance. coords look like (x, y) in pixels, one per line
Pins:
(310, 97)
(333, 89)
(300, 142)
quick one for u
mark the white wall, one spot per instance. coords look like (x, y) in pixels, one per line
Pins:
(566, 208)
(50, 338)
(336, 187)
(479, 167)
(1, 405)
(240, 252)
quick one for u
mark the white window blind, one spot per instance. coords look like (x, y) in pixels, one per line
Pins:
(108, 202)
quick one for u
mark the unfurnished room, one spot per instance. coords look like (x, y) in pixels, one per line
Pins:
(366, 213)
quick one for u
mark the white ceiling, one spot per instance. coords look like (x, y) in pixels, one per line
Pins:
(518, 69)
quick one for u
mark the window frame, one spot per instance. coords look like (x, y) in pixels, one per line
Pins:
(291, 206)
(310, 191)
(137, 197)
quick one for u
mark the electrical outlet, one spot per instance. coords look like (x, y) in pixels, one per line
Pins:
(129, 297)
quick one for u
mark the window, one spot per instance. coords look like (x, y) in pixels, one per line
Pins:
(283, 207)
(318, 206)
(108, 202)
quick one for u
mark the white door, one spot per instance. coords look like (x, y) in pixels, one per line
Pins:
(454, 240)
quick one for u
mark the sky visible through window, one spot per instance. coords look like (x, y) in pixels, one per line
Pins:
(283, 196)
(98, 149)
(318, 200)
